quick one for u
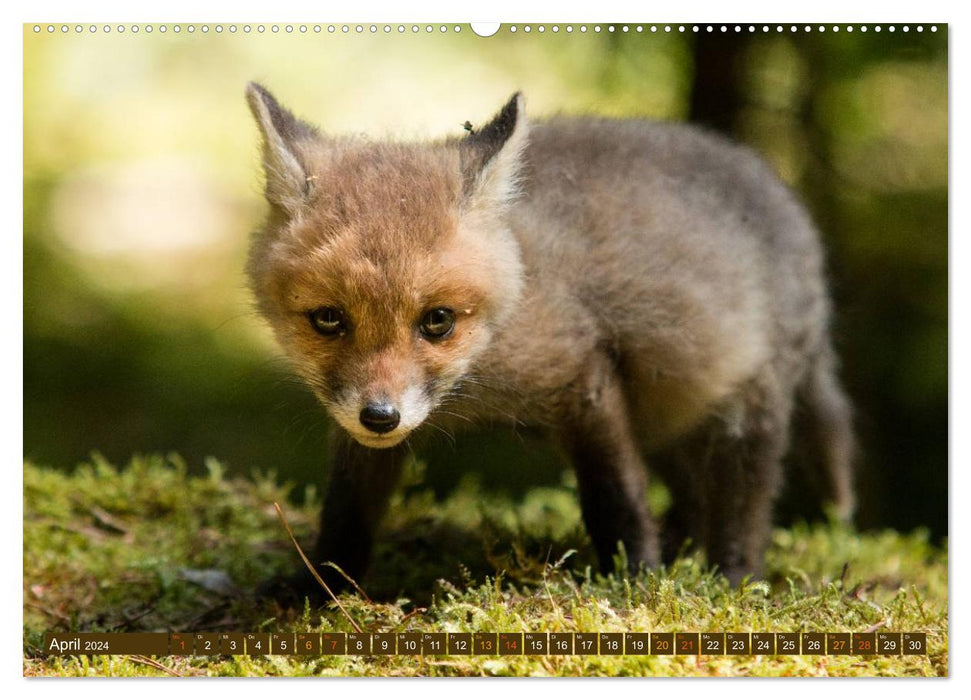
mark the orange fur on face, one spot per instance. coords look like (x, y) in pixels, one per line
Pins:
(384, 240)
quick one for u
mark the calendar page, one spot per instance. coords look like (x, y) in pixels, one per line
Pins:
(515, 349)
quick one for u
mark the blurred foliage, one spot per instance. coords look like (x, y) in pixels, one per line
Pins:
(141, 184)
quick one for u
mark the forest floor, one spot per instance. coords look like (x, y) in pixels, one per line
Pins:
(149, 547)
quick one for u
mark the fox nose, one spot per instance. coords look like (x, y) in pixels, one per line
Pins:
(380, 417)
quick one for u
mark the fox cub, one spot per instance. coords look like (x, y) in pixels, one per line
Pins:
(646, 294)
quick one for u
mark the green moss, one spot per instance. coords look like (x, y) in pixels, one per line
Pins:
(105, 549)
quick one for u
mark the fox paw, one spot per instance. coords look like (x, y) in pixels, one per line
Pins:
(292, 591)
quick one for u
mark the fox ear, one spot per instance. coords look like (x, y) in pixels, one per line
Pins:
(287, 181)
(491, 157)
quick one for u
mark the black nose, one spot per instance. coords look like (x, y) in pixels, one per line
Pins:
(380, 417)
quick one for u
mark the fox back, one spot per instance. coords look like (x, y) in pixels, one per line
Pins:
(644, 293)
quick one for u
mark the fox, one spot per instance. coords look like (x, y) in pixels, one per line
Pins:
(649, 296)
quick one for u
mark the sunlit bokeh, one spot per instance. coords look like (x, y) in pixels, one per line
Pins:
(142, 185)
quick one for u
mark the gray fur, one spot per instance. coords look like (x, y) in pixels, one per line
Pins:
(681, 262)
(668, 310)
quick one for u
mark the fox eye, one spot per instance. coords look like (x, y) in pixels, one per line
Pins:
(328, 321)
(437, 323)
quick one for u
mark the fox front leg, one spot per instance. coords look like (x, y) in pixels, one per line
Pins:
(359, 487)
(611, 475)
(361, 482)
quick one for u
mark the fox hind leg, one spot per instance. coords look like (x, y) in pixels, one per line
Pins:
(743, 477)
(724, 480)
(680, 524)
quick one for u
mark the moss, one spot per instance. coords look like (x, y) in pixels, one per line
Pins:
(108, 549)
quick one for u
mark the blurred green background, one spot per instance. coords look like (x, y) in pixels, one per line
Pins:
(142, 184)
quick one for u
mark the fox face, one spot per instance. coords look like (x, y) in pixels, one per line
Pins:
(385, 269)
